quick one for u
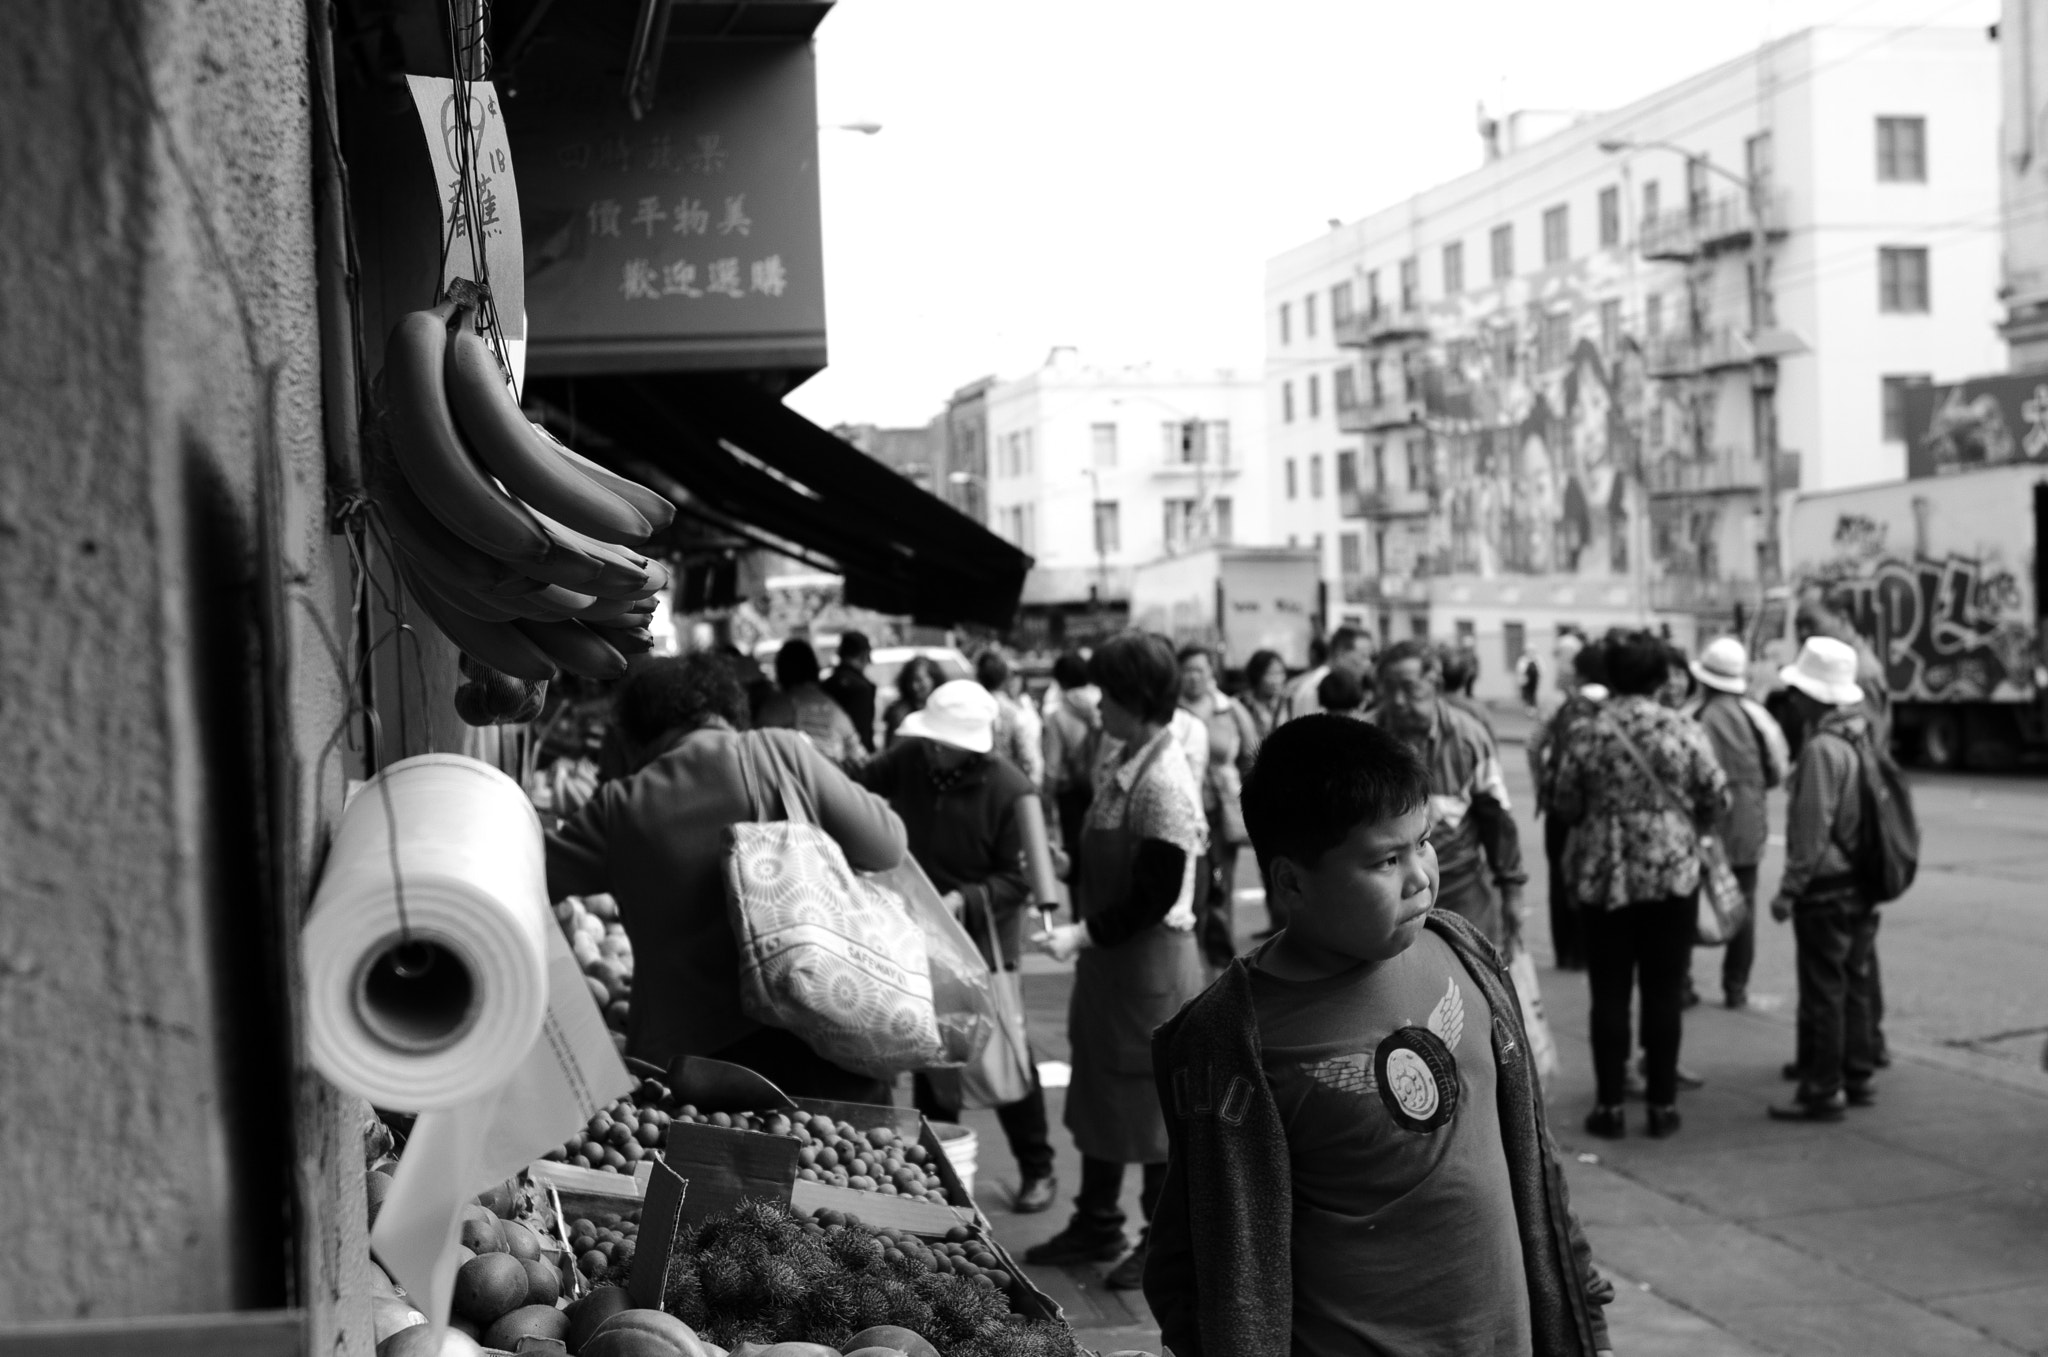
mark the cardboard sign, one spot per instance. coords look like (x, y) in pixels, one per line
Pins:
(498, 199)
(661, 1220)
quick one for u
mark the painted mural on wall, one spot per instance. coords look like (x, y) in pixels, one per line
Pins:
(1532, 475)
(1947, 627)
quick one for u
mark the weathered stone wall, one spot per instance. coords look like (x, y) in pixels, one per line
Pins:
(164, 695)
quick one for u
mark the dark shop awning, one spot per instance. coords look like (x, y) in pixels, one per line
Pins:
(752, 461)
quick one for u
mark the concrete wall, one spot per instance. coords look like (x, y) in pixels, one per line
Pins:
(163, 560)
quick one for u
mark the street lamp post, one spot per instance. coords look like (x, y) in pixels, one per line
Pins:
(1763, 369)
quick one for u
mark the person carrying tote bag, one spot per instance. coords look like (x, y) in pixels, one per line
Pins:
(1636, 783)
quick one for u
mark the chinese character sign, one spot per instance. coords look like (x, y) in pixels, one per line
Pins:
(693, 230)
(494, 199)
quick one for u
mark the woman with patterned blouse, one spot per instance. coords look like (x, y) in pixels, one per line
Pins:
(1634, 868)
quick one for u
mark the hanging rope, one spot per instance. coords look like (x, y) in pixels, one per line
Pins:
(468, 29)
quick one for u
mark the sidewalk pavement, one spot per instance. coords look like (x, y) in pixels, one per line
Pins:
(1920, 1226)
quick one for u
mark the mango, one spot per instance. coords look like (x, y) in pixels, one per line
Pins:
(488, 1286)
(528, 1321)
(594, 1309)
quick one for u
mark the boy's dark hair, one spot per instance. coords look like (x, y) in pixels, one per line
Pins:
(991, 669)
(1137, 670)
(1638, 662)
(795, 664)
(1411, 649)
(680, 694)
(1070, 671)
(1340, 692)
(1318, 778)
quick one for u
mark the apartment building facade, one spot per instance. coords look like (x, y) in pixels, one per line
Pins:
(1095, 470)
(1563, 390)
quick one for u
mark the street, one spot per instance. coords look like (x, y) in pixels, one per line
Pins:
(1918, 1227)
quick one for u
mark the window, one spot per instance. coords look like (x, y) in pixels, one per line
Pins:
(1288, 467)
(1553, 341)
(1902, 278)
(1902, 150)
(1467, 632)
(1411, 284)
(1504, 345)
(1610, 326)
(1697, 189)
(1344, 388)
(1653, 425)
(1315, 395)
(1350, 554)
(1515, 639)
(1286, 323)
(1225, 519)
(1418, 624)
(1418, 464)
(1503, 246)
(1347, 473)
(1029, 538)
(1763, 306)
(1757, 161)
(1315, 476)
(1340, 303)
(1610, 216)
(1179, 443)
(1287, 402)
(1895, 403)
(1372, 295)
(1013, 453)
(1649, 212)
(1379, 389)
(1653, 315)
(1109, 534)
(1454, 268)
(1379, 466)
(1216, 441)
(1557, 244)
(1102, 445)
(1180, 523)
(1308, 315)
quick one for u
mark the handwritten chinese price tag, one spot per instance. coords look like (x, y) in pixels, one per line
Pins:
(496, 199)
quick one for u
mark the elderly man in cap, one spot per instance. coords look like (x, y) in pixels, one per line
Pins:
(1834, 926)
(1752, 752)
(958, 801)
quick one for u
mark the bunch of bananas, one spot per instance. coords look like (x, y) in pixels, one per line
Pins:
(516, 547)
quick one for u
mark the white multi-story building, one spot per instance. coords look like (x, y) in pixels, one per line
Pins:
(1551, 393)
(1095, 470)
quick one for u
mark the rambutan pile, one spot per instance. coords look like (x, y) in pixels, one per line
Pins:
(761, 1275)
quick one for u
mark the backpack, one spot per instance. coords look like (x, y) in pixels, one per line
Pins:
(1886, 856)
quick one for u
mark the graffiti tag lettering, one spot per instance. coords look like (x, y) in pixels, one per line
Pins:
(1950, 628)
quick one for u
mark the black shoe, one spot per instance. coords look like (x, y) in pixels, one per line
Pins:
(1735, 996)
(1129, 1275)
(1790, 1072)
(1608, 1123)
(1664, 1121)
(1832, 1107)
(1883, 1058)
(1691, 999)
(1860, 1093)
(1035, 1195)
(1082, 1241)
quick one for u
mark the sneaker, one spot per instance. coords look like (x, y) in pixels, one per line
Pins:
(1129, 1275)
(1860, 1093)
(1805, 1107)
(1790, 1072)
(1082, 1241)
(1035, 1195)
(1664, 1120)
(1608, 1123)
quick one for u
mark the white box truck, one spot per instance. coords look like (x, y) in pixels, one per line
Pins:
(1235, 599)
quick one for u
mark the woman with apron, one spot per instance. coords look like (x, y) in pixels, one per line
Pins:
(1138, 882)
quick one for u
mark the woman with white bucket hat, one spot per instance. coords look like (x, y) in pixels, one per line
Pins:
(1752, 751)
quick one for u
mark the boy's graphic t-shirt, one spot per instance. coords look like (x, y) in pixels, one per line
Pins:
(1405, 1240)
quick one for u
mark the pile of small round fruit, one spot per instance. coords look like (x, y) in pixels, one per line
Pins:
(603, 1240)
(617, 1138)
(879, 1159)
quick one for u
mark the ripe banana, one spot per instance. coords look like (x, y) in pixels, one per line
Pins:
(608, 609)
(552, 604)
(436, 551)
(656, 508)
(497, 644)
(509, 445)
(621, 571)
(575, 647)
(451, 482)
(631, 642)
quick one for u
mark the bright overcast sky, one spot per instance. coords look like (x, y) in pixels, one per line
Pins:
(1114, 174)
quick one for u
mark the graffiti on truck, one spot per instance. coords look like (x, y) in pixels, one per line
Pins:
(1949, 628)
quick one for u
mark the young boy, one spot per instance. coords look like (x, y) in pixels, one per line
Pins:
(1360, 1162)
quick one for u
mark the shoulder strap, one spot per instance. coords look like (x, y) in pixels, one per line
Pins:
(1635, 755)
(788, 805)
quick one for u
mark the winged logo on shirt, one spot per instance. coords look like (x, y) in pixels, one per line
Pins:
(1447, 1019)
(1415, 1070)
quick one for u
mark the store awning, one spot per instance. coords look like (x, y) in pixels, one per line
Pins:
(751, 460)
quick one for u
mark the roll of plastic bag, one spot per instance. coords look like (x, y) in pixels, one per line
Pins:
(437, 982)
(426, 952)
